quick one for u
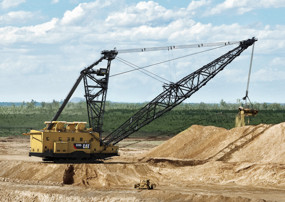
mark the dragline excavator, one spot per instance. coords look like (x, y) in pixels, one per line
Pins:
(72, 140)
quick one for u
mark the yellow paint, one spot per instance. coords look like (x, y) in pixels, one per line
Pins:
(62, 137)
(61, 147)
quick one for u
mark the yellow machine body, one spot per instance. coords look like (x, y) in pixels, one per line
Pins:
(68, 140)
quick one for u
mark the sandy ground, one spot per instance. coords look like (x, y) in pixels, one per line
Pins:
(199, 164)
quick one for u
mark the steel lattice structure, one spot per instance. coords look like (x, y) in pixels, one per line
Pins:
(174, 94)
(96, 86)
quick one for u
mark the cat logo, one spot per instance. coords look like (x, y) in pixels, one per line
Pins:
(81, 146)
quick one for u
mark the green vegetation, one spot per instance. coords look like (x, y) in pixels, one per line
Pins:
(17, 119)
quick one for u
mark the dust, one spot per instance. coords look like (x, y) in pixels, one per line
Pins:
(239, 121)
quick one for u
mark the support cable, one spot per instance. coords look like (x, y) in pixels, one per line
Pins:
(144, 71)
(174, 94)
(201, 45)
(158, 63)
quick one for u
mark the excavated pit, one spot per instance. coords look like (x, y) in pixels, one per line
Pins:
(68, 175)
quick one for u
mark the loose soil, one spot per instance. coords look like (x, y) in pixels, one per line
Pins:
(202, 163)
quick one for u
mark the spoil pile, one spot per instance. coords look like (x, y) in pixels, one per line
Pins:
(258, 144)
(204, 158)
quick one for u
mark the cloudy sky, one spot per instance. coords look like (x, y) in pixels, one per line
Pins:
(45, 44)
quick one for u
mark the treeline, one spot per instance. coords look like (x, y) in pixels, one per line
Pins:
(15, 120)
(54, 105)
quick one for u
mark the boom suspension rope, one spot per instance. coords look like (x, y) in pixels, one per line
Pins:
(96, 86)
(174, 94)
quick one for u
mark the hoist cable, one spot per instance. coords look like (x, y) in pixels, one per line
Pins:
(249, 74)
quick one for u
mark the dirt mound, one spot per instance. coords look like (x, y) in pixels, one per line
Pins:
(29, 172)
(112, 175)
(268, 147)
(227, 167)
(259, 144)
(193, 143)
(94, 175)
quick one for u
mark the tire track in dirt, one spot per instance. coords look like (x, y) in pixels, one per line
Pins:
(238, 144)
(247, 156)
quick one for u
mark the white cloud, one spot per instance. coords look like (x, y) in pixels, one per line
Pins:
(272, 3)
(19, 17)
(43, 28)
(243, 6)
(269, 74)
(177, 28)
(150, 13)
(71, 16)
(85, 12)
(197, 4)
(65, 45)
(11, 3)
(30, 34)
(278, 61)
(54, 1)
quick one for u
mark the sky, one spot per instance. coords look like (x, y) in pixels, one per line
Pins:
(45, 44)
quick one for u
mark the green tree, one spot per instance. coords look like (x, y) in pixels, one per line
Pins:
(55, 104)
(43, 104)
(203, 106)
(223, 104)
(31, 105)
(275, 106)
